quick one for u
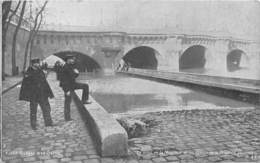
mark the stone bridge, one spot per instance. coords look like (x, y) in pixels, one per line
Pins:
(217, 55)
(170, 52)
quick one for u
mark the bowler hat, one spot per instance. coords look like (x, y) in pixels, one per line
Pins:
(35, 60)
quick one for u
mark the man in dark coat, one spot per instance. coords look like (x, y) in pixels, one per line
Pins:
(58, 69)
(69, 84)
(36, 90)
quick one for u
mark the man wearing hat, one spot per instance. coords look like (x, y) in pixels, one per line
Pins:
(36, 90)
(69, 84)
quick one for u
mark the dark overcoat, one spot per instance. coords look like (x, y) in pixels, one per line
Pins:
(35, 86)
(68, 77)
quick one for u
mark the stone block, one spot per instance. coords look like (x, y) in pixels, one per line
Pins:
(110, 136)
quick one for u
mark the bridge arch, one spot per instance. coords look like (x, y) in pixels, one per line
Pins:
(84, 62)
(144, 57)
(236, 60)
(193, 58)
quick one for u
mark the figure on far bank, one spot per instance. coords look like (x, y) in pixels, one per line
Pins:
(44, 66)
(36, 90)
(123, 66)
(68, 83)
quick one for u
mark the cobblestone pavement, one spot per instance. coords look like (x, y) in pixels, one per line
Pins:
(201, 136)
(66, 142)
(10, 81)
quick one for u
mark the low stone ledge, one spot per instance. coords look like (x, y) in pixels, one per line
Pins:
(110, 136)
(180, 77)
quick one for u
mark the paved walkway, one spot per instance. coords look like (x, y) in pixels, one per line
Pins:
(67, 142)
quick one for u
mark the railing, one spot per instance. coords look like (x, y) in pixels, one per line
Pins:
(245, 85)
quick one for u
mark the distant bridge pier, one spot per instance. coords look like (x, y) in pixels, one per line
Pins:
(217, 64)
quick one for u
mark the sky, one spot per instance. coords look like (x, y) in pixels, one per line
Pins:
(238, 18)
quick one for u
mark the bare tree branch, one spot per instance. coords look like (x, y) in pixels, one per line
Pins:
(13, 13)
(37, 26)
(6, 25)
(31, 35)
(34, 34)
(41, 18)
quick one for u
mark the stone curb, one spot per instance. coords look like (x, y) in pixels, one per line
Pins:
(110, 137)
(152, 74)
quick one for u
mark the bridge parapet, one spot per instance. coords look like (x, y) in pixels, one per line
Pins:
(116, 38)
(101, 37)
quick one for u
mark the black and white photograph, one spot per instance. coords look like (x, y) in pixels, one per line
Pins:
(130, 81)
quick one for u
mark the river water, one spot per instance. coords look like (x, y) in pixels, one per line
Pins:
(125, 94)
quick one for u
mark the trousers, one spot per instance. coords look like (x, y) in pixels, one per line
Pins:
(46, 111)
(68, 97)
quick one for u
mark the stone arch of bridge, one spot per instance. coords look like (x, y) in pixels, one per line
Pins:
(84, 62)
(236, 59)
(193, 59)
(144, 57)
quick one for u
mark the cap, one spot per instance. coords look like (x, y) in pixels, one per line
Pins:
(69, 56)
(35, 60)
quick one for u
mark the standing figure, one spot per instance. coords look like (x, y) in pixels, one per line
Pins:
(69, 84)
(44, 65)
(121, 65)
(58, 69)
(127, 66)
(36, 90)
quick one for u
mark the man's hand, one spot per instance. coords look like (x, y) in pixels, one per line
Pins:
(76, 71)
(67, 93)
(45, 71)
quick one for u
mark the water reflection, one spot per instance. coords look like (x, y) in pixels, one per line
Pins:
(120, 103)
(119, 94)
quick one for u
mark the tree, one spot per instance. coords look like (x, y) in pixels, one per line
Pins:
(14, 71)
(33, 32)
(6, 8)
